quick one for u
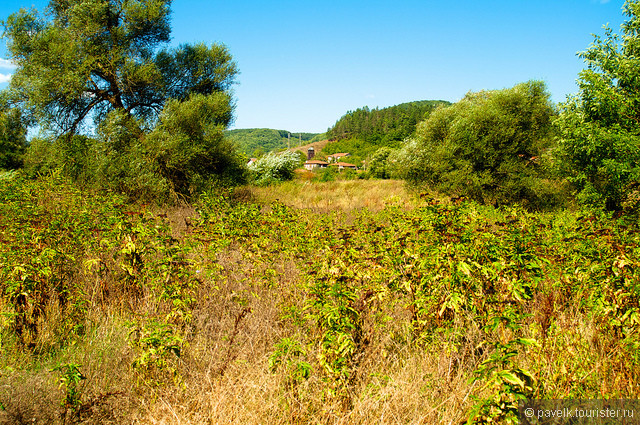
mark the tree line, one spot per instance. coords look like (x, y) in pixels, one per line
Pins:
(160, 116)
(259, 141)
(383, 126)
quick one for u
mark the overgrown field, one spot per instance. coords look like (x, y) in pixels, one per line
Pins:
(234, 311)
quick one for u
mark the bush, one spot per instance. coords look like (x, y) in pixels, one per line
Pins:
(274, 167)
(189, 146)
(491, 146)
(185, 154)
(379, 166)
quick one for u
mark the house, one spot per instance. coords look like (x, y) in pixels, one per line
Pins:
(336, 156)
(310, 165)
(343, 165)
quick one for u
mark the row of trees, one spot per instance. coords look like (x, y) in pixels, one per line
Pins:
(384, 127)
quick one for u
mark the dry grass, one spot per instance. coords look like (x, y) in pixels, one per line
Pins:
(341, 195)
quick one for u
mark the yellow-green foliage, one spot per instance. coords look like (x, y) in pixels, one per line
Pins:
(245, 312)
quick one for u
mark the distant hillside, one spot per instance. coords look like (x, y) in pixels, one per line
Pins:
(382, 126)
(363, 131)
(253, 141)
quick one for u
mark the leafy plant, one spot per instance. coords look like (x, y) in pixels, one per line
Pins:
(70, 379)
(159, 348)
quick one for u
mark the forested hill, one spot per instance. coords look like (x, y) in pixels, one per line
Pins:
(255, 141)
(383, 126)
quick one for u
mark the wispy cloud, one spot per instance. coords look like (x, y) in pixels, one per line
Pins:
(6, 64)
(5, 78)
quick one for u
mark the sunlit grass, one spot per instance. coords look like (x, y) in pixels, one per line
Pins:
(339, 195)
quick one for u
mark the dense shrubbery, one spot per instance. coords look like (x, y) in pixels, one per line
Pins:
(379, 165)
(491, 146)
(274, 167)
(184, 155)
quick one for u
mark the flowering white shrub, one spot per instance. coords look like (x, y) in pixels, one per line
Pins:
(274, 167)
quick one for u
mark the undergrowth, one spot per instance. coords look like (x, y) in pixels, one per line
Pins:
(242, 312)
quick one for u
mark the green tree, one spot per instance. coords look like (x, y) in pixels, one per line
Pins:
(160, 111)
(84, 58)
(487, 147)
(379, 166)
(599, 146)
(189, 147)
(13, 139)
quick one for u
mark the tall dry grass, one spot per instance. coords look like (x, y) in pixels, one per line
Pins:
(339, 195)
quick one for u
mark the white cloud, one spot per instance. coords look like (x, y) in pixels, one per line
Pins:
(5, 78)
(6, 64)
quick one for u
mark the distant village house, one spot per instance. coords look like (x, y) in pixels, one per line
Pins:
(335, 157)
(311, 165)
(342, 165)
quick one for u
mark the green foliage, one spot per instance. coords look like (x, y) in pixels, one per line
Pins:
(384, 126)
(258, 141)
(121, 161)
(599, 147)
(184, 155)
(160, 113)
(12, 138)
(189, 147)
(504, 302)
(490, 147)
(379, 166)
(507, 383)
(84, 59)
(274, 167)
(70, 379)
(327, 174)
(288, 354)
(159, 347)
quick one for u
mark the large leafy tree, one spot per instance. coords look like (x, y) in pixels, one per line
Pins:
(600, 127)
(159, 112)
(84, 58)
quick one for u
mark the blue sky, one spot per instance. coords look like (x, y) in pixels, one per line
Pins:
(303, 64)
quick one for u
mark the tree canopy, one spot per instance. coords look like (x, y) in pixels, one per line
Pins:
(82, 59)
(159, 112)
(384, 127)
(487, 146)
(600, 127)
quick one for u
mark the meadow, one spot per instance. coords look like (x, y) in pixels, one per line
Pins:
(349, 302)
